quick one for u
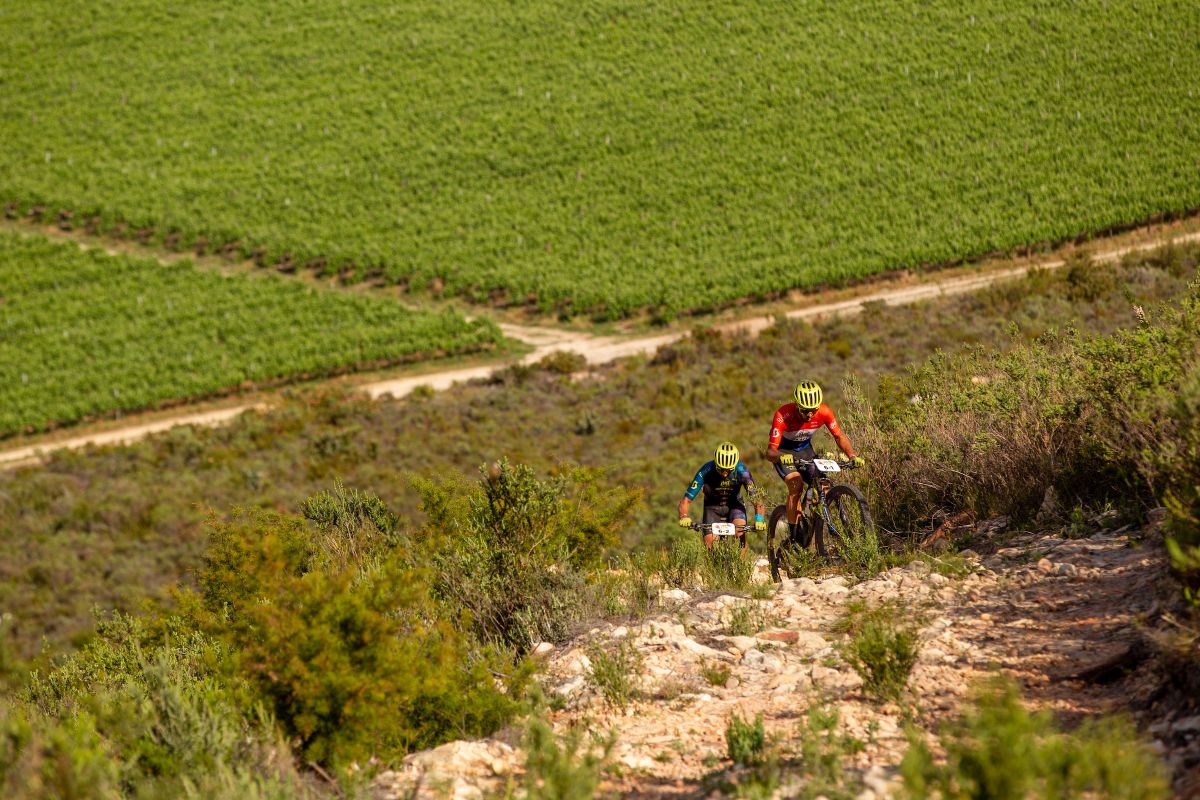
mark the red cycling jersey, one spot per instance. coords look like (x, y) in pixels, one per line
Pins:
(789, 432)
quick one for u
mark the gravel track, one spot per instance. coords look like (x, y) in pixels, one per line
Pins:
(595, 349)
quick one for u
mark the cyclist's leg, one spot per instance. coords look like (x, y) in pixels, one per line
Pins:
(737, 515)
(795, 486)
(713, 513)
(797, 477)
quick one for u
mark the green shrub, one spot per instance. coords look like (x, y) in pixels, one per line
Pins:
(860, 552)
(745, 742)
(513, 554)
(629, 588)
(1000, 751)
(883, 655)
(43, 757)
(715, 674)
(615, 671)
(822, 751)
(157, 695)
(747, 619)
(351, 658)
(989, 431)
(569, 767)
(680, 565)
(725, 568)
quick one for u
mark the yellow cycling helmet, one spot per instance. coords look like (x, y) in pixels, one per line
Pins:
(727, 455)
(807, 395)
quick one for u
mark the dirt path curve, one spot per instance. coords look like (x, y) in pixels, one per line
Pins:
(594, 349)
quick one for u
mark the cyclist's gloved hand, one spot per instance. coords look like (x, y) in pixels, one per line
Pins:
(760, 525)
(685, 522)
(830, 456)
(787, 459)
(857, 461)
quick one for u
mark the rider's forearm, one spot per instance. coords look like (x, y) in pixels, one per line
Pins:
(772, 453)
(684, 505)
(843, 443)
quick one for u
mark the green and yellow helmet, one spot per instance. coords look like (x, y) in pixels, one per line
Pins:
(727, 455)
(807, 395)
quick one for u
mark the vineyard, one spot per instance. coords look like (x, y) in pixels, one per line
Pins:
(599, 158)
(82, 333)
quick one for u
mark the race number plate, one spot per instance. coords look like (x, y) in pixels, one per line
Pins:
(825, 465)
(724, 529)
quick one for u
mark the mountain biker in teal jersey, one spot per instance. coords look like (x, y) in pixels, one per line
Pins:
(722, 480)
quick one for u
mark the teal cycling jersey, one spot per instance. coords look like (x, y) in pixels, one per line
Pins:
(720, 489)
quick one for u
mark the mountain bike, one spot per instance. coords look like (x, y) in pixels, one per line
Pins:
(726, 532)
(830, 514)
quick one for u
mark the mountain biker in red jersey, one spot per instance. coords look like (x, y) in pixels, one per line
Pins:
(722, 480)
(790, 445)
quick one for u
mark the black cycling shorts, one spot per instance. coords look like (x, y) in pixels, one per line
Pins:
(734, 509)
(804, 465)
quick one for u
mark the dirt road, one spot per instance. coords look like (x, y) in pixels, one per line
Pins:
(595, 349)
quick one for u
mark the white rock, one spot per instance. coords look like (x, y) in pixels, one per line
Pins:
(766, 662)
(571, 686)
(827, 678)
(1187, 725)
(579, 662)
(937, 580)
(836, 580)
(798, 585)
(637, 761)
(661, 628)
(541, 648)
(742, 643)
(619, 632)
(691, 646)
(674, 595)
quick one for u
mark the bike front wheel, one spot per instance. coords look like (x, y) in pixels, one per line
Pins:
(850, 524)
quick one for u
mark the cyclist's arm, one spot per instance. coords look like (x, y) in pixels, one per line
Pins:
(843, 441)
(748, 482)
(693, 489)
(684, 505)
(776, 437)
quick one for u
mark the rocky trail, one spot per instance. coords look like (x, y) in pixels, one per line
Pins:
(1068, 618)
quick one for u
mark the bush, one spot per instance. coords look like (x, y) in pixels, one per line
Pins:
(745, 742)
(512, 554)
(715, 674)
(822, 750)
(725, 568)
(747, 619)
(615, 671)
(882, 653)
(680, 565)
(569, 767)
(988, 432)
(168, 720)
(350, 656)
(1000, 751)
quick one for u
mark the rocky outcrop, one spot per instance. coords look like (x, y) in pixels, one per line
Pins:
(1037, 608)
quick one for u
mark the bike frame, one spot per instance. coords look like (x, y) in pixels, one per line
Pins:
(814, 497)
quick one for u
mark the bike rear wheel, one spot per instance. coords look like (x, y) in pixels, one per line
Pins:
(850, 522)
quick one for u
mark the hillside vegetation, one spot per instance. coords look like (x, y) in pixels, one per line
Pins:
(599, 158)
(84, 333)
(113, 526)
